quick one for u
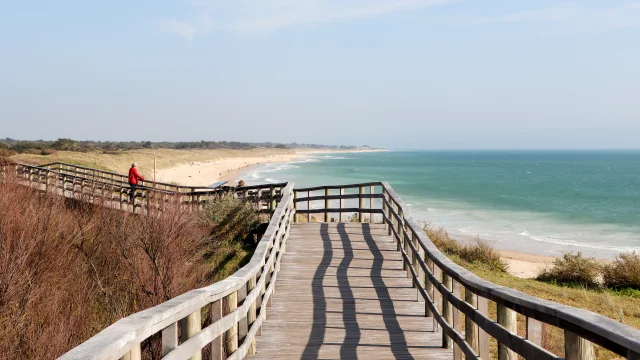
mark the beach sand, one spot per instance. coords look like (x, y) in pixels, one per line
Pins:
(205, 173)
(228, 168)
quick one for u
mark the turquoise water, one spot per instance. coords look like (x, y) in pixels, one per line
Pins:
(546, 202)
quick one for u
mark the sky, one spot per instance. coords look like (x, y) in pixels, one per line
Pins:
(400, 74)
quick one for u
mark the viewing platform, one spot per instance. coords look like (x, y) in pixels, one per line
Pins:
(342, 272)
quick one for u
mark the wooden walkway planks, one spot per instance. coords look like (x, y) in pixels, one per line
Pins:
(342, 294)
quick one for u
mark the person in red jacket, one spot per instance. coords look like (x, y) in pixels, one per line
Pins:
(134, 177)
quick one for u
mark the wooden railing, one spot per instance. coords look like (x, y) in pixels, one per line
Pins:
(451, 291)
(237, 306)
(113, 190)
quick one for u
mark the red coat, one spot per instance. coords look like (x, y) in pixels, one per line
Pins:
(134, 176)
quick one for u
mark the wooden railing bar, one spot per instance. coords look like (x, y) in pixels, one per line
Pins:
(476, 316)
(340, 197)
(227, 322)
(338, 210)
(338, 187)
(593, 327)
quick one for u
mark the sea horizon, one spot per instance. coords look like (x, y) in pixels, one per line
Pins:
(542, 201)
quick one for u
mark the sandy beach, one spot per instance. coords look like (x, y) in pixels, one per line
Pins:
(228, 168)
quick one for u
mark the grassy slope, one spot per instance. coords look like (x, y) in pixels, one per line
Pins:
(120, 161)
(622, 308)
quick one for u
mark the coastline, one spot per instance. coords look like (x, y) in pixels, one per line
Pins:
(229, 168)
(204, 173)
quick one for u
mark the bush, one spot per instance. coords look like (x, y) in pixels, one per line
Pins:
(68, 269)
(231, 219)
(482, 252)
(478, 252)
(572, 270)
(623, 273)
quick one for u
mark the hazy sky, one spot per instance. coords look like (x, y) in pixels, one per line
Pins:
(391, 73)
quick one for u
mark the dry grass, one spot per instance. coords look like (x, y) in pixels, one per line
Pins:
(120, 161)
(623, 273)
(621, 306)
(615, 305)
(69, 269)
(573, 270)
(479, 251)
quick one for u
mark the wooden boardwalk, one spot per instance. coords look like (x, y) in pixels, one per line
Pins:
(342, 294)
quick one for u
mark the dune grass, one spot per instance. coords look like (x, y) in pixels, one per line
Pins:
(620, 305)
(120, 161)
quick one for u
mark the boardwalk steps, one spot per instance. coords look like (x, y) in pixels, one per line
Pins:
(342, 288)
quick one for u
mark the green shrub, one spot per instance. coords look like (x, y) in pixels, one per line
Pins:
(231, 219)
(572, 270)
(623, 273)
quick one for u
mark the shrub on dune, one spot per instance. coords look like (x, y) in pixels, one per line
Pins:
(572, 270)
(623, 273)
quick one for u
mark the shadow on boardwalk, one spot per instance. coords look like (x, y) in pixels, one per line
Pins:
(342, 294)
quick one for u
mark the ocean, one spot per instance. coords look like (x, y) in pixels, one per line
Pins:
(540, 202)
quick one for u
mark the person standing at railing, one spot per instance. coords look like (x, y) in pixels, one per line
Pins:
(134, 178)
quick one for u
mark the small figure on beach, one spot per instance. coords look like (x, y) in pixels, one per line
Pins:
(134, 177)
(240, 183)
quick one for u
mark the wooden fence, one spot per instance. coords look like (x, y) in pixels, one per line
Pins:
(451, 291)
(113, 190)
(237, 306)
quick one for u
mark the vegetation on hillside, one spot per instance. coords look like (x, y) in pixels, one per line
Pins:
(68, 269)
(10, 146)
(620, 304)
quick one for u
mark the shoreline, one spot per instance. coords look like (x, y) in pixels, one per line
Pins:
(204, 173)
(207, 172)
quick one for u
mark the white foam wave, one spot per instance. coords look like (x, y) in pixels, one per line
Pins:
(333, 157)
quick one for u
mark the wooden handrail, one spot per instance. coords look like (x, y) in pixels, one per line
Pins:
(256, 280)
(72, 183)
(440, 281)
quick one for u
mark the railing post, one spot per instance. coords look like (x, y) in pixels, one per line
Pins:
(534, 331)
(437, 297)
(471, 328)
(251, 315)
(326, 205)
(231, 335)
(308, 206)
(457, 322)
(134, 354)
(272, 201)
(190, 326)
(341, 203)
(509, 320)
(217, 351)
(169, 338)
(371, 203)
(399, 226)
(243, 325)
(295, 204)
(447, 311)
(361, 204)
(577, 348)
(415, 256)
(429, 287)
(483, 337)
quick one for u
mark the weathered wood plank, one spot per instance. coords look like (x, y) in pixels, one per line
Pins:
(343, 294)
